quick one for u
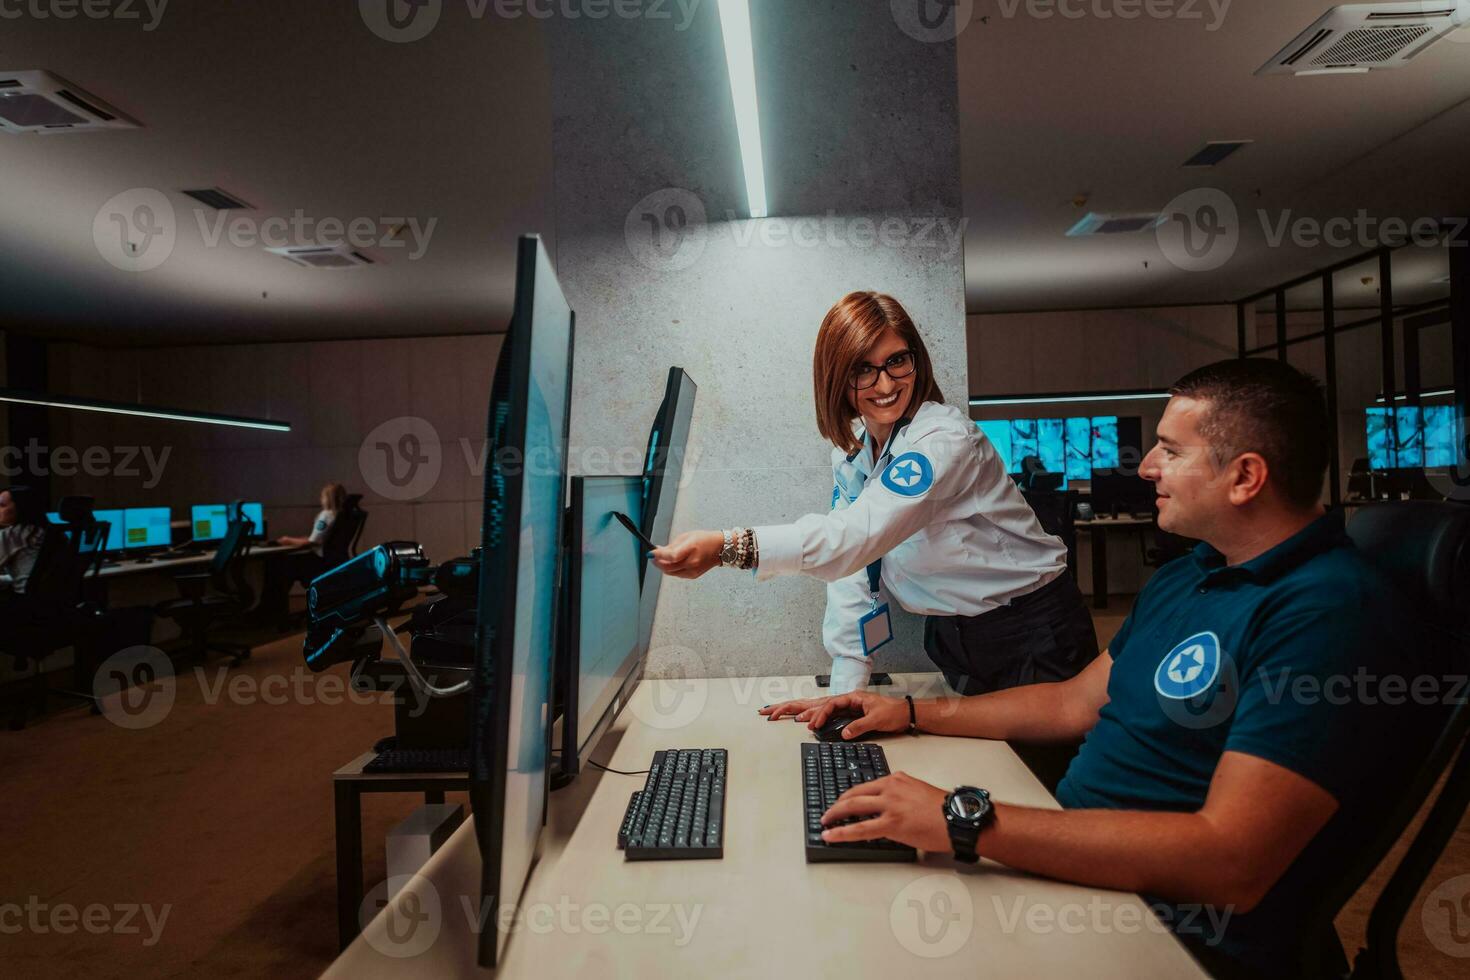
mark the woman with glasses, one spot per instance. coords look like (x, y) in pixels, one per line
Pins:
(923, 512)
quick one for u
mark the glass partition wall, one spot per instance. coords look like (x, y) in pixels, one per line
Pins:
(1379, 331)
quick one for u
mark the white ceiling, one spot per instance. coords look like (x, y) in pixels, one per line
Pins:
(288, 104)
(1055, 108)
(297, 105)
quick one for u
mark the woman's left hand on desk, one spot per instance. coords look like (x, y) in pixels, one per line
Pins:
(690, 554)
(898, 807)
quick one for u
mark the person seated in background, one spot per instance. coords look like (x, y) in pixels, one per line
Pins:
(286, 570)
(333, 501)
(1222, 767)
(22, 528)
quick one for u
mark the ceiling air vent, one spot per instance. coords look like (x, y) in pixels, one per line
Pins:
(1215, 153)
(220, 200)
(39, 102)
(1114, 224)
(323, 256)
(1361, 37)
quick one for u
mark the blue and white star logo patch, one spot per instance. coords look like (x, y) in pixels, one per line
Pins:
(1190, 668)
(910, 475)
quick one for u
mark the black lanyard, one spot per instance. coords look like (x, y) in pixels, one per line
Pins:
(875, 570)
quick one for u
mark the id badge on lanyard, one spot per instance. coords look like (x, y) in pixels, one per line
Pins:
(876, 627)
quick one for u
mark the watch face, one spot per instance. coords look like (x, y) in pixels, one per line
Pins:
(966, 806)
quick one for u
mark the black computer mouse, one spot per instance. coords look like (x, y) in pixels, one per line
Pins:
(832, 730)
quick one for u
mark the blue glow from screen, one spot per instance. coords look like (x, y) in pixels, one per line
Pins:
(1440, 442)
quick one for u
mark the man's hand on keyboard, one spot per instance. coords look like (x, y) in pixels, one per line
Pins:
(879, 713)
(898, 807)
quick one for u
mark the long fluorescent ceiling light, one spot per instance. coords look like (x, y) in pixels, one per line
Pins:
(1119, 396)
(1434, 393)
(740, 59)
(142, 411)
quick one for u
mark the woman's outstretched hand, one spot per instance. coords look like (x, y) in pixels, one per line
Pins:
(691, 554)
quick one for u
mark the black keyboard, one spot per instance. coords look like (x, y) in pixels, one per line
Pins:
(829, 769)
(680, 812)
(420, 760)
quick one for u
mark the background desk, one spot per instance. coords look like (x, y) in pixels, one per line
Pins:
(1097, 529)
(762, 910)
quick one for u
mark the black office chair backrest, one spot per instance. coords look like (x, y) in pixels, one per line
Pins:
(1424, 547)
(354, 506)
(226, 569)
(1056, 511)
(76, 510)
(337, 546)
(232, 547)
(49, 589)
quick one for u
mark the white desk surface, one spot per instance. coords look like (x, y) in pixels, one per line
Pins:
(762, 910)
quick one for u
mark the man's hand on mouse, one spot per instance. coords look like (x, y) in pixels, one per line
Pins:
(898, 807)
(879, 713)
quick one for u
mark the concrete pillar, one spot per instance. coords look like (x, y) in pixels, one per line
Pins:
(652, 246)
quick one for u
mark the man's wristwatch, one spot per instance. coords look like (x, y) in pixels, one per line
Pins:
(967, 811)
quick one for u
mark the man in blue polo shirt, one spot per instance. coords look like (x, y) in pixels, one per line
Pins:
(1246, 726)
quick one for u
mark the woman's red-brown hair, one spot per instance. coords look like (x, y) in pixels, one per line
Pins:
(849, 330)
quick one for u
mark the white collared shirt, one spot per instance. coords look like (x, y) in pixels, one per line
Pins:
(955, 534)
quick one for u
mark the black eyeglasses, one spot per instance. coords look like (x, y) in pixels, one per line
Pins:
(897, 367)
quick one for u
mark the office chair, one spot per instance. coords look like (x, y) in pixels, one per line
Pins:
(1056, 511)
(1424, 547)
(354, 505)
(1166, 546)
(1360, 481)
(52, 614)
(341, 540)
(199, 607)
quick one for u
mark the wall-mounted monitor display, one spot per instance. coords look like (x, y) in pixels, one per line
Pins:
(1071, 446)
(1410, 436)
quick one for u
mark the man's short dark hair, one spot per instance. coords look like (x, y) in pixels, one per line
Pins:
(1265, 406)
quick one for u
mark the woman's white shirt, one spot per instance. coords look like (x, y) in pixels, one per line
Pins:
(955, 534)
(319, 529)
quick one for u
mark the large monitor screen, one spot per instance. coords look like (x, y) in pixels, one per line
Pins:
(663, 473)
(147, 527)
(1073, 447)
(521, 543)
(604, 606)
(1410, 436)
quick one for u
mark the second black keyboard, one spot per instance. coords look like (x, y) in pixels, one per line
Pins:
(829, 769)
(680, 812)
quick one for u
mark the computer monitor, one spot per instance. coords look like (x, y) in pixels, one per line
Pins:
(116, 539)
(600, 645)
(253, 512)
(210, 521)
(521, 538)
(147, 527)
(668, 441)
(1119, 492)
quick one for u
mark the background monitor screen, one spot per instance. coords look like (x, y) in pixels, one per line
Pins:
(521, 539)
(209, 521)
(1073, 447)
(114, 520)
(147, 527)
(603, 622)
(255, 514)
(668, 441)
(1410, 437)
(1439, 436)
